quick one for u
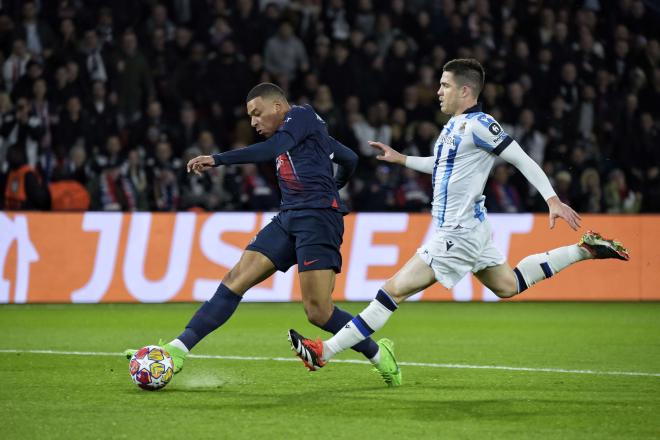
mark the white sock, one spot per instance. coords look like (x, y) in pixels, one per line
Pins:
(370, 320)
(178, 344)
(537, 267)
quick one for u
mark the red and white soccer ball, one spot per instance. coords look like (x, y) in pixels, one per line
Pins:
(151, 367)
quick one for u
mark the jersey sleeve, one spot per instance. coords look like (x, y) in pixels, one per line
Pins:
(300, 122)
(488, 135)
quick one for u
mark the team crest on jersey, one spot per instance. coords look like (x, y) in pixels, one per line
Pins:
(446, 139)
(461, 129)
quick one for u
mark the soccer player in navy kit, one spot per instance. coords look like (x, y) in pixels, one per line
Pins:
(307, 231)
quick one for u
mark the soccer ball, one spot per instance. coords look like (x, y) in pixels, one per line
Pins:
(151, 367)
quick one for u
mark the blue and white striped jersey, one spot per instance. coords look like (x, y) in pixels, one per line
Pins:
(464, 155)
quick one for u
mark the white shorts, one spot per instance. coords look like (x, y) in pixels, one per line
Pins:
(455, 252)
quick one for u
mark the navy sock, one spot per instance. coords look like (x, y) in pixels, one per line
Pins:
(338, 320)
(211, 315)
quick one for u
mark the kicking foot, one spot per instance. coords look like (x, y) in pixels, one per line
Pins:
(178, 355)
(310, 352)
(387, 367)
(601, 248)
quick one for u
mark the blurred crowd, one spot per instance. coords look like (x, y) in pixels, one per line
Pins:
(103, 102)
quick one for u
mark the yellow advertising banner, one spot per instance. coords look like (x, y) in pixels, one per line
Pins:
(157, 257)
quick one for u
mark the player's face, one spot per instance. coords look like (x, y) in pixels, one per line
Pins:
(265, 115)
(450, 94)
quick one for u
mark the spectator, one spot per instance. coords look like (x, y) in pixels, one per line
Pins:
(151, 128)
(96, 62)
(338, 72)
(42, 109)
(591, 194)
(105, 27)
(257, 194)
(227, 75)
(134, 84)
(203, 191)
(24, 189)
(38, 36)
(15, 66)
(412, 193)
(190, 74)
(373, 128)
(67, 46)
(564, 187)
(528, 135)
(6, 116)
(102, 117)
(72, 129)
(111, 155)
(23, 130)
(114, 190)
(163, 170)
(285, 55)
(502, 196)
(135, 175)
(399, 69)
(187, 129)
(377, 193)
(619, 198)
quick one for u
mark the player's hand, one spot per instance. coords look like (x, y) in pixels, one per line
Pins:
(200, 163)
(388, 154)
(562, 210)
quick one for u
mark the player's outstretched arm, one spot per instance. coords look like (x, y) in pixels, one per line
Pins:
(389, 154)
(278, 143)
(515, 155)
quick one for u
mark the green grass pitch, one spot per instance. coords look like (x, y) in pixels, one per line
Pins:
(574, 388)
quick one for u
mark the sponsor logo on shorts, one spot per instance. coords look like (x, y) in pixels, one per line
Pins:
(449, 244)
(308, 262)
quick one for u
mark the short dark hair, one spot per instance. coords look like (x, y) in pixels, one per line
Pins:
(467, 71)
(264, 90)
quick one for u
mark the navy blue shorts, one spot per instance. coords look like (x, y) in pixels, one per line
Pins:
(310, 238)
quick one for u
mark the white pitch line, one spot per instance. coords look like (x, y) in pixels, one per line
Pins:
(355, 361)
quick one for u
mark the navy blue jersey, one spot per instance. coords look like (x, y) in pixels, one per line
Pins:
(305, 172)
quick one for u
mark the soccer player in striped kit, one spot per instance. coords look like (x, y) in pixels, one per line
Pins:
(464, 154)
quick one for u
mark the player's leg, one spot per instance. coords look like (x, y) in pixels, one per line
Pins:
(446, 258)
(252, 268)
(271, 250)
(316, 288)
(318, 235)
(506, 282)
(413, 277)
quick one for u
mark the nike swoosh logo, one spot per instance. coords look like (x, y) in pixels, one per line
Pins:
(307, 263)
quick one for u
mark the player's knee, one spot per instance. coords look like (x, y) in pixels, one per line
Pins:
(395, 290)
(504, 293)
(505, 289)
(317, 314)
(317, 317)
(233, 281)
